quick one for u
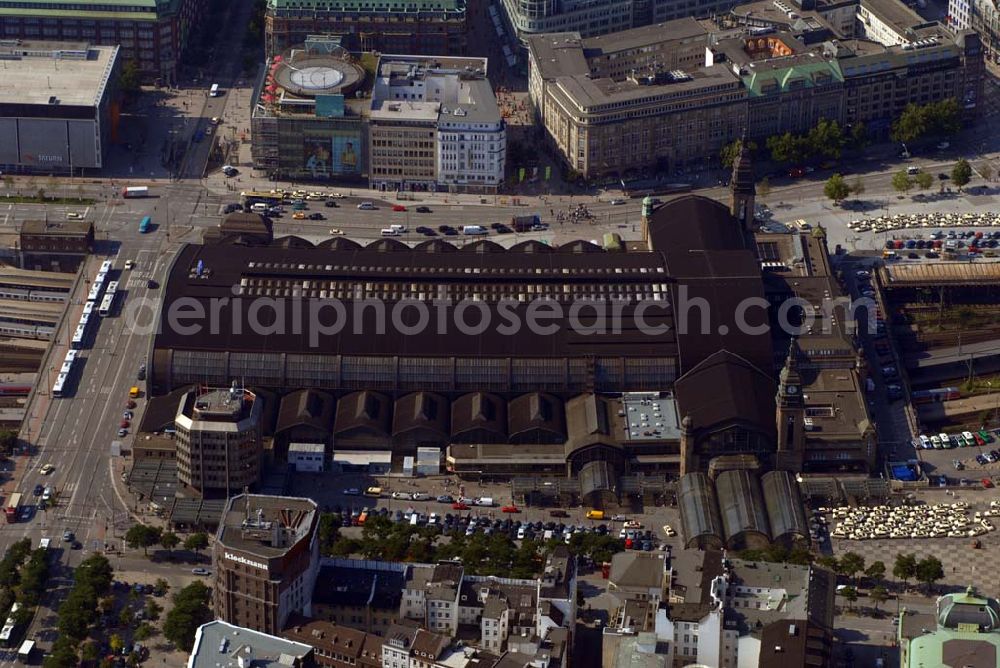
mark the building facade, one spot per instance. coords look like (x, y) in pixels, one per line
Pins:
(55, 246)
(435, 125)
(150, 33)
(985, 21)
(219, 442)
(67, 125)
(265, 558)
(668, 97)
(311, 128)
(409, 26)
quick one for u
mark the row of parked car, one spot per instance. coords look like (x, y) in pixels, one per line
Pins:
(943, 441)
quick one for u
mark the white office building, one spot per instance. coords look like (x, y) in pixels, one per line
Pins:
(435, 125)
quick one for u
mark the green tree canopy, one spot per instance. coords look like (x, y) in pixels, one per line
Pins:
(961, 173)
(878, 595)
(905, 567)
(729, 152)
(189, 612)
(169, 540)
(876, 570)
(851, 564)
(140, 535)
(901, 181)
(929, 571)
(836, 188)
(826, 138)
(924, 180)
(787, 148)
(196, 542)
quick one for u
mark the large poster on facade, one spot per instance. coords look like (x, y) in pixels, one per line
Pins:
(337, 154)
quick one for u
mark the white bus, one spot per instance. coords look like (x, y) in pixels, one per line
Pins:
(60, 385)
(105, 267)
(84, 321)
(106, 305)
(71, 356)
(78, 337)
(214, 91)
(88, 308)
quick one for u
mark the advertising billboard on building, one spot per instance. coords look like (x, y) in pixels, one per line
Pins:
(336, 154)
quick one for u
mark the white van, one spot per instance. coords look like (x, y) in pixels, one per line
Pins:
(912, 170)
(485, 501)
(259, 207)
(398, 228)
(389, 232)
(474, 229)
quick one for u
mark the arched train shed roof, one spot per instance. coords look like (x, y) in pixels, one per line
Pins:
(700, 521)
(741, 507)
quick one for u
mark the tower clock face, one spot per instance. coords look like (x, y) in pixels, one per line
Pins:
(792, 389)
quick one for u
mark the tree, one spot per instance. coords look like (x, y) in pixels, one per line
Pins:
(189, 612)
(851, 564)
(859, 135)
(196, 542)
(836, 188)
(875, 571)
(153, 610)
(850, 594)
(829, 562)
(63, 655)
(986, 171)
(8, 441)
(905, 567)
(924, 180)
(140, 535)
(961, 173)
(90, 651)
(129, 78)
(901, 181)
(94, 574)
(169, 540)
(826, 138)
(878, 595)
(144, 632)
(161, 587)
(911, 124)
(116, 643)
(764, 187)
(731, 150)
(929, 571)
(787, 148)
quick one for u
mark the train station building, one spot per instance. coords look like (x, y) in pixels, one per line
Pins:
(656, 396)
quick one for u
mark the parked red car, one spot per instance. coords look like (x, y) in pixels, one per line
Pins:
(797, 172)
(398, 207)
(459, 506)
(987, 483)
(510, 509)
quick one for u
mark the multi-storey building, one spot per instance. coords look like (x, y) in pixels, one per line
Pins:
(613, 106)
(670, 96)
(219, 444)
(55, 245)
(435, 125)
(311, 127)
(67, 124)
(150, 33)
(265, 557)
(715, 611)
(403, 26)
(985, 20)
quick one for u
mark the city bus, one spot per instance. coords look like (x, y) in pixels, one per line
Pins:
(135, 191)
(59, 387)
(78, 337)
(95, 292)
(88, 308)
(108, 303)
(13, 506)
(144, 224)
(105, 267)
(262, 197)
